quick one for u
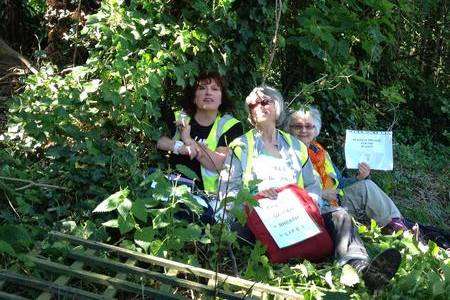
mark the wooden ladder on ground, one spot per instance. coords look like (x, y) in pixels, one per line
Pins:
(132, 275)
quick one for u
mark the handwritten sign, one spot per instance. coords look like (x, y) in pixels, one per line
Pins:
(286, 219)
(371, 147)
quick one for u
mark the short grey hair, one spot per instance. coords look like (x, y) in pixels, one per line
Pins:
(308, 111)
(277, 98)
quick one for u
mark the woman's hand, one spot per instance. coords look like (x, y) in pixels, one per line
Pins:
(189, 150)
(363, 171)
(185, 131)
(330, 194)
(270, 193)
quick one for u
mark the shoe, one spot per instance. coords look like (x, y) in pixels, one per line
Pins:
(395, 225)
(382, 268)
(360, 265)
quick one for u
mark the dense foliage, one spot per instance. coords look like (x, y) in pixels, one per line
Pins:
(90, 129)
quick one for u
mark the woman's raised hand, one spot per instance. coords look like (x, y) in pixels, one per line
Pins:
(363, 171)
(185, 131)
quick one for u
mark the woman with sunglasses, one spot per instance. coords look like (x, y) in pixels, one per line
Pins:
(361, 196)
(273, 158)
(202, 130)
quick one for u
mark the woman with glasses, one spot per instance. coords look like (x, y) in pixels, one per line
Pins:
(273, 158)
(361, 196)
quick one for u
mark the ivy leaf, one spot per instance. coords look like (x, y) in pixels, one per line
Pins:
(91, 86)
(111, 223)
(143, 237)
(139, 211)
(157, 247)
(126, 224)
(190, 233)
(112, 202)
(186, 172)
(124, 207)
(6, 248)
(349, 276)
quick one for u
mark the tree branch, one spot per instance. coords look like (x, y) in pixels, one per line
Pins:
(7, 50)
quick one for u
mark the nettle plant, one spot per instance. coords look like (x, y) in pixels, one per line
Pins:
(162, 218)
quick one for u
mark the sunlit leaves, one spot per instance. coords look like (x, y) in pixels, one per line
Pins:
(113, 202)
(349, 276)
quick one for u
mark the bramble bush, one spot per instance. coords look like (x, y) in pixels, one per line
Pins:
(91, 129)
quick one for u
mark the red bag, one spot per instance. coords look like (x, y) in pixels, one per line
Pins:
(315, 248)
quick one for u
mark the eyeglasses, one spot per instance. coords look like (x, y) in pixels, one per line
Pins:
(299, 127)
(263, 102)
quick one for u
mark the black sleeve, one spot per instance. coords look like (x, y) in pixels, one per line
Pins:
(168, 117)
(236, 131)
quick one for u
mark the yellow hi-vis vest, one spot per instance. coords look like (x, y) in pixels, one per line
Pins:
(244, 149)
(329, 169)
(221, 125)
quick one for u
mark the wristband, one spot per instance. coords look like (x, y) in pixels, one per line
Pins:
(177, 146)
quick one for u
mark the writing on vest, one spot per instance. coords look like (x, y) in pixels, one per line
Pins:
(221, 125)
(244, 149)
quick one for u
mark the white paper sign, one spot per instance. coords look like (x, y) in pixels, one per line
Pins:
(371, 147)
(286, 219)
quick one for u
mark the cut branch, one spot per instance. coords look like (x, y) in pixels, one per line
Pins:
(31, 183)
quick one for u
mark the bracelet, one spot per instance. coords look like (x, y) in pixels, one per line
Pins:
(177, 146)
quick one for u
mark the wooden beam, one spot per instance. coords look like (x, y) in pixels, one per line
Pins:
(63, 279)
(102, 279)
(54, 288)
(111, 291)
(163, 278)
(222, 278)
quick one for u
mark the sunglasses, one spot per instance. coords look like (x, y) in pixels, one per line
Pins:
(299, 127)
(263, 102)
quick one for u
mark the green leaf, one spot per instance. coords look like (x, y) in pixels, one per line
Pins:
(112, 202)
(143, 237)
(190, 233)
(433, 248)
(126, 224)
(91, 86)
(6, 248)
(186, 171)
(156, 247)
(302, 268)
(124, 207)
(329, 279)
(437, 284)
(139, 210)
(349, 276)
(111, 223)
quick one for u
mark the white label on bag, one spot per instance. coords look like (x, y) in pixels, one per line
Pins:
(371, 147)
(286, 219)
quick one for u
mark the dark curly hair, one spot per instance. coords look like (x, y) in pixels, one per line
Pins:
(188, 104)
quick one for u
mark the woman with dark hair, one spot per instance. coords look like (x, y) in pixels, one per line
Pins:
(202, 130)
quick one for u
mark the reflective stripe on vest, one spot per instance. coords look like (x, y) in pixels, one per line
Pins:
(221, 125)
(244, 149)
